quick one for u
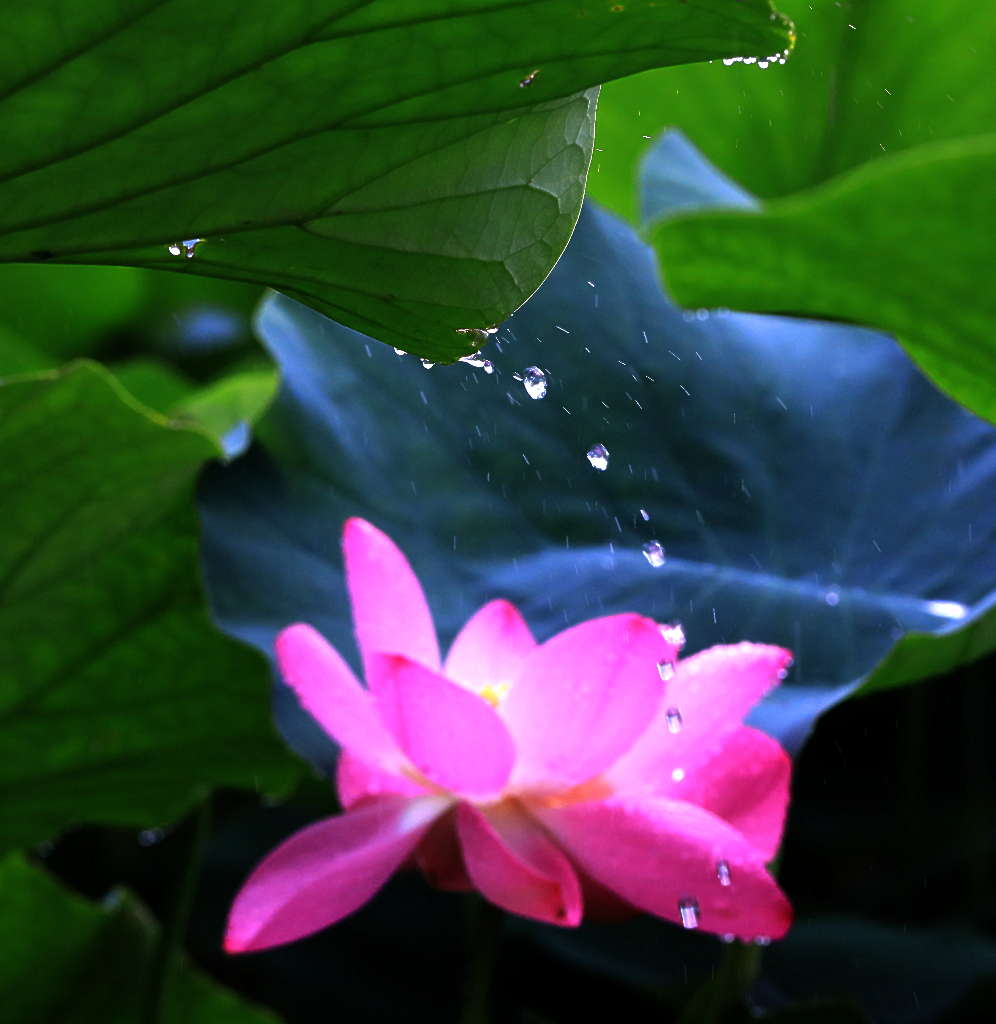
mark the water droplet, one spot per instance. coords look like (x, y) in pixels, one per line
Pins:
(727, 937)
(653, 551)
(427, 364)
(832, 597)
(529, 79)
(678, 775)
(762, 940)
(184, 248)
(689, 911)
(475, 359)
(674, 635)
(150, 836)
(644, 515)
(534, 381)
(400, 352)
(723, 873)
(665, 669)
(674, 721)
(598, 456)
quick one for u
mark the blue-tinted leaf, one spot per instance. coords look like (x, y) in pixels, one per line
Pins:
(810, 487)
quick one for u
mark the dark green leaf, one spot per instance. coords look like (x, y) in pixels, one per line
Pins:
(67, 311)
(867, 78)
(18, 356)
(66, 960)
(379, 161)
(811, 488)
(902, 243)
(119, 703)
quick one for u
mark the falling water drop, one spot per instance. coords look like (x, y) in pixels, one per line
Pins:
(653, 551)
(598, 456)
(672, 718)
(832, 597)
(534, 381)
(665, 669)
(427, 364)
(150, 836)
(644, 515)
(723, 873)
(175, 249)
(689, 911)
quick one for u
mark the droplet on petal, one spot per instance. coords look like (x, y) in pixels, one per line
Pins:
(674, 635)
(678, 774)
(723, 873)
(598, 456)
(689, 911)
(653, 551)
(762, 940)
(665, 669)
(673, 719)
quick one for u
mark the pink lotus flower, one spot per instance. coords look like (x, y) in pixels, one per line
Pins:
(593, 770)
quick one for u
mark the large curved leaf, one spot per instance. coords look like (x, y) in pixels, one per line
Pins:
(891, 213)
(867, 78)
(900, 243)
(811, 488)
(377, 160)
(119, 702)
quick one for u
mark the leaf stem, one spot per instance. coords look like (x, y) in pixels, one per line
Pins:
(485, 923)
(733, 979)
(174, 929)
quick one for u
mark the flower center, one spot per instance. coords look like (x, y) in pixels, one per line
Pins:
(494, 693)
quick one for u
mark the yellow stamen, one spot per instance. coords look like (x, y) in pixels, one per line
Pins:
(494, 693)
